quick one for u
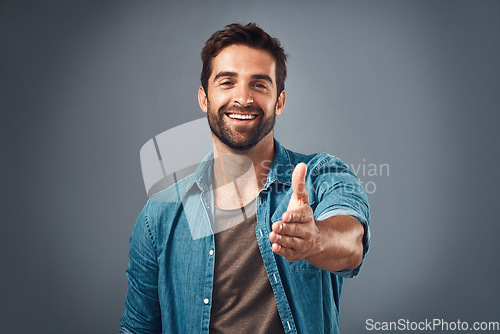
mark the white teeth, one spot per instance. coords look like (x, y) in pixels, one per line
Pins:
(238, 116)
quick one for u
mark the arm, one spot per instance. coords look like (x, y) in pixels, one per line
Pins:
(333, 244)
(142, 308)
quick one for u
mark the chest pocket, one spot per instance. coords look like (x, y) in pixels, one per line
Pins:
(304, 267)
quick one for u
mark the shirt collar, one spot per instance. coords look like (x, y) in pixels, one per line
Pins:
(280, 171)
(282, 167)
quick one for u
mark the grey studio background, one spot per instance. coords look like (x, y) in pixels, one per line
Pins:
(412, 85)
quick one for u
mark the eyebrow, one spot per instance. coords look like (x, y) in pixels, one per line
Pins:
(254, 76)
(225, 74)
(263, 77)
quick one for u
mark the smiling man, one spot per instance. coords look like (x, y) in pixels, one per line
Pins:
(280, 230)
(246, 72)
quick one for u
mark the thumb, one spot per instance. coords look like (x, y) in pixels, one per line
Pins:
(299, 183)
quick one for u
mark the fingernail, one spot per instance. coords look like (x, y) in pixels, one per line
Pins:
(281, 227)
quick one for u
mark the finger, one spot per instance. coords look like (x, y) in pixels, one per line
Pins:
(274, 237)
(297, 230)
(289, 254)
(285, 241)
(277, 227)
(302, 214)
(295, 243)
(299, 183)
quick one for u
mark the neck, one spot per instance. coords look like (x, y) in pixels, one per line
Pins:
(239, 175)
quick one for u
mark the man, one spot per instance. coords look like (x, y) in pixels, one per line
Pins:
(258, 238)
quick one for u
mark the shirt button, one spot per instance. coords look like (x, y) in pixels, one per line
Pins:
(211, 252)
(205, 301)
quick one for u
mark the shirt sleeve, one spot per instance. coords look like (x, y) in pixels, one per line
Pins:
(339, 192)
(142, 308)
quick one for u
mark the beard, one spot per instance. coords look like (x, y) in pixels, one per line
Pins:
(243, 138)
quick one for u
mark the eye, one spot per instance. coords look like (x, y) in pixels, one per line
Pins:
(260, 85)
(226, 83)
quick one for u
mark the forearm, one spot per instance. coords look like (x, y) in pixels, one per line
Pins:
(340, 245)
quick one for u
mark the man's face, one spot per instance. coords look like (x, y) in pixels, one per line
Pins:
(242, 100)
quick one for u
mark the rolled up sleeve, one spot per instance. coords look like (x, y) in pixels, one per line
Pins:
(339, 192)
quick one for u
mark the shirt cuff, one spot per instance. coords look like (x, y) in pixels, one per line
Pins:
(366, 237)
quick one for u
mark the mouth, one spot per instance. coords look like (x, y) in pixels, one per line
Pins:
(241, 117)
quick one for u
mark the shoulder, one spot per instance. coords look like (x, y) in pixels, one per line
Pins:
(161, 205)
(175, 191)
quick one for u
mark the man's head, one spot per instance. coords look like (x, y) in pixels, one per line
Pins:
(240, 89)
(250, 35)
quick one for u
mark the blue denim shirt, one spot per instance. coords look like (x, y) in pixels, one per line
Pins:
(172, 250)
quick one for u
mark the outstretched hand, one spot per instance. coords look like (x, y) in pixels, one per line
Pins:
(297, 236)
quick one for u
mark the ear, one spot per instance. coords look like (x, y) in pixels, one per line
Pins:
(202, 99)
(280, 104)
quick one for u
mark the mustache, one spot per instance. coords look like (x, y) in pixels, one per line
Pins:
(244, 110)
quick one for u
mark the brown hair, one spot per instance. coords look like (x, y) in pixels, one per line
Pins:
(250, 35)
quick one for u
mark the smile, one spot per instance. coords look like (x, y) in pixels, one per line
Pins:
(241, 116)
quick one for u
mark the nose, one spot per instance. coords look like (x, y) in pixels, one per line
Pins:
(242, 95)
